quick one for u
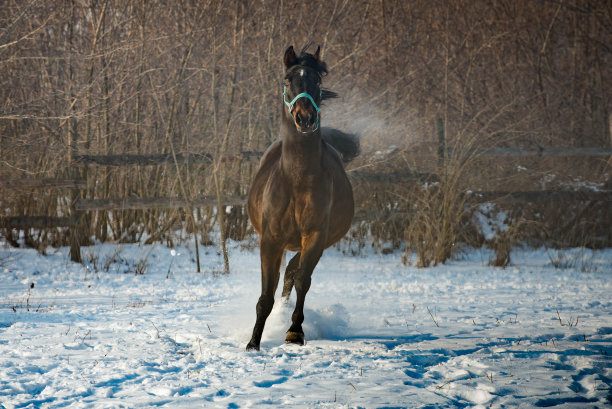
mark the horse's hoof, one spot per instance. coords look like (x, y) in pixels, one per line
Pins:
(294, 338)
(252, 347)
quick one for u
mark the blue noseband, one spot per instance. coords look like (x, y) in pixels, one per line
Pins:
(298, 96)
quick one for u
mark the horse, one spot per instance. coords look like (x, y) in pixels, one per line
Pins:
(300, 199)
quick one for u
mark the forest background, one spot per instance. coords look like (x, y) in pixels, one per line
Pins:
(428, 87)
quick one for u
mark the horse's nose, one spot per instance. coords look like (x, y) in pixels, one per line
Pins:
(304, 120)
(299, 118)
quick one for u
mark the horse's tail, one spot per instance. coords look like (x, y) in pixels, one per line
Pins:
(346, 144)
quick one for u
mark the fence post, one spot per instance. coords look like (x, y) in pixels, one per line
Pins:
(75, 237)
(441, 145)
(75, 245)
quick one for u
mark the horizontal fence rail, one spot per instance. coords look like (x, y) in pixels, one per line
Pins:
(159, 159)
(164, 158)
(36, 222)
(543, 196)
(392, 177)
(204, 157)
(140, 203)
(532, 152)
(43, 183)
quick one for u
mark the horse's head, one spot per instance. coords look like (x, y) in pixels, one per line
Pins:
(302, 91)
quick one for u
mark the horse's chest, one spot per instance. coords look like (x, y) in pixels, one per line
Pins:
(296, 213)
(311, 211)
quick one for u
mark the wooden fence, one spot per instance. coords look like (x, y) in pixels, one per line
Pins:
(539, 152)
(92, 204)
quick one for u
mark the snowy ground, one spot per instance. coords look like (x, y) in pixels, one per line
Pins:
(379, 334)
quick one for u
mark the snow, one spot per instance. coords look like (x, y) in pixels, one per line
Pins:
(379, 334)
(490, 220)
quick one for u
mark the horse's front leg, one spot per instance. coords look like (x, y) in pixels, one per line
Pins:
(271, 254)
(312, 249)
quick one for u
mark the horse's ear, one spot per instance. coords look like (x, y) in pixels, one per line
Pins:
(317, 54)
(290, 58)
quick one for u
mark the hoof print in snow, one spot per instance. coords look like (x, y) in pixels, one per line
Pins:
(271, 382)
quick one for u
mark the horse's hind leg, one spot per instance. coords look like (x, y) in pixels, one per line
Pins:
(292, 267)
(271, 255)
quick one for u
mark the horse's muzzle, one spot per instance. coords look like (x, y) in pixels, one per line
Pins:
(305, 123)
(305, 118)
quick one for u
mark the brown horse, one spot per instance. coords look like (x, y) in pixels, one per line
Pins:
(300, 199)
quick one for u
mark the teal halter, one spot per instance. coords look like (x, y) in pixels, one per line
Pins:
(298, 96)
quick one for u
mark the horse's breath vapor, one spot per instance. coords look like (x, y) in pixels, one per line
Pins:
(301, 199)
(378, 128)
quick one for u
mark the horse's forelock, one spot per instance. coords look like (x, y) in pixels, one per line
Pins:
(306, 59)
(309, 60)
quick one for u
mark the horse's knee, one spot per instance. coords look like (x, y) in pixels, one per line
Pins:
(302, 283)
(264, 305)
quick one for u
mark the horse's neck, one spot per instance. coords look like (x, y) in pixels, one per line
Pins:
(301, 155)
